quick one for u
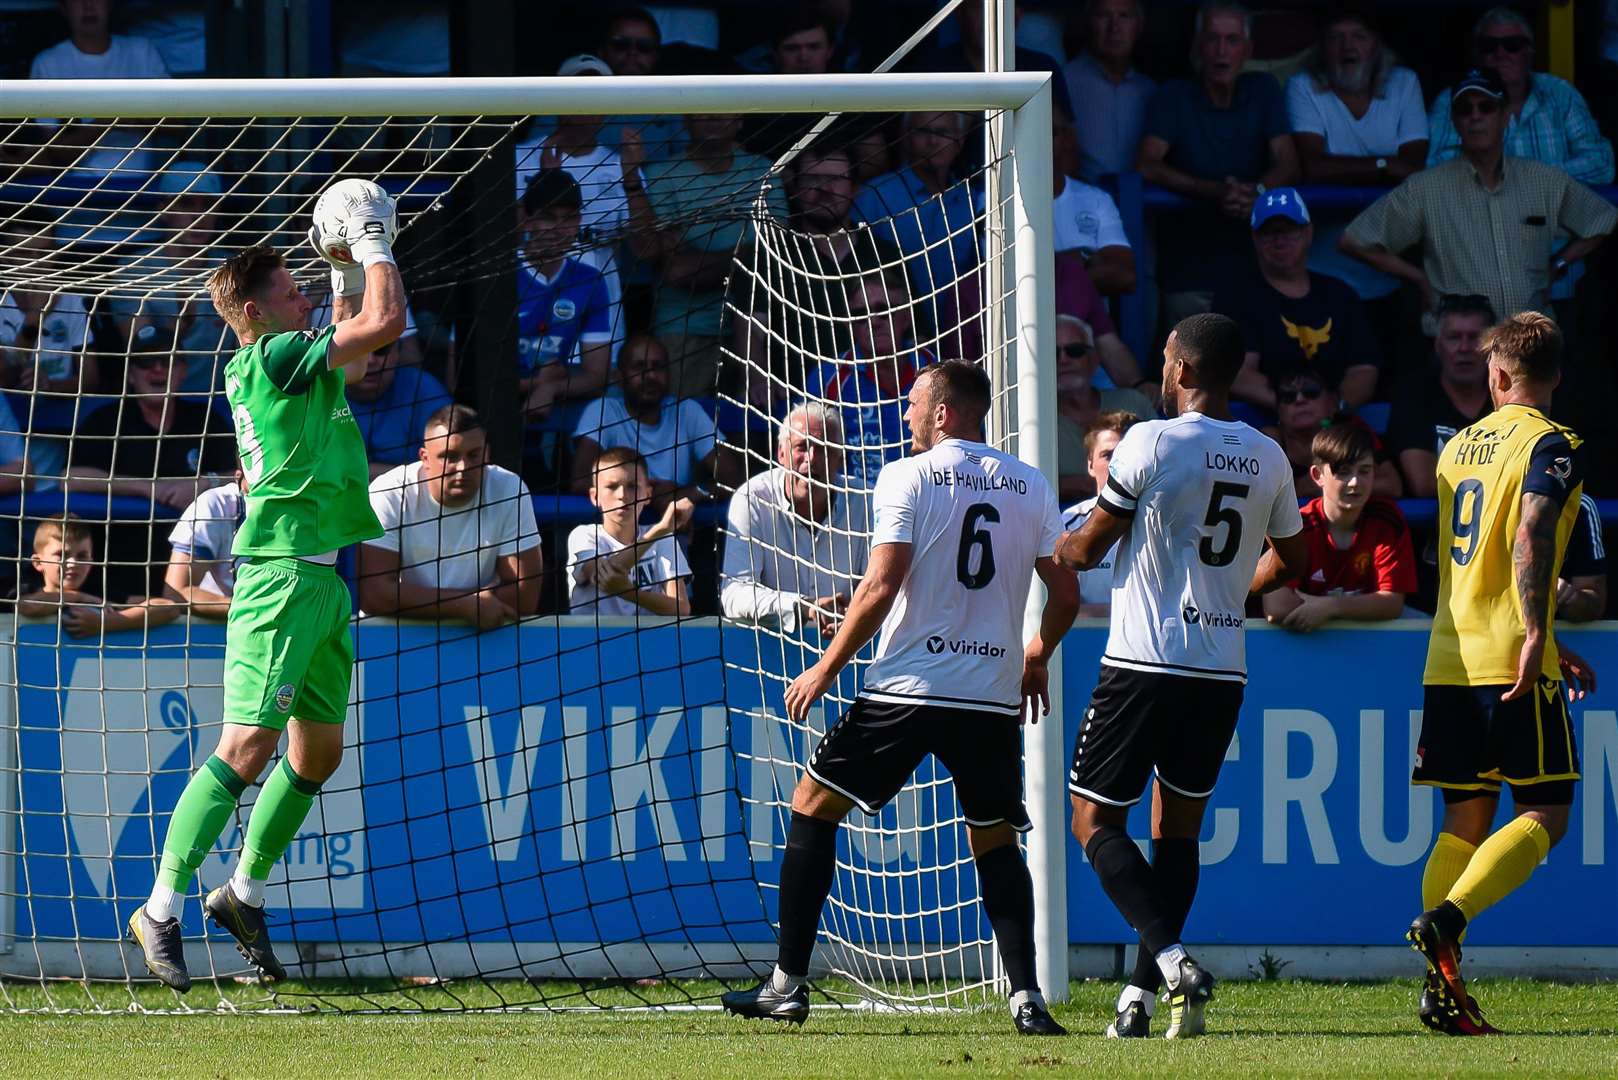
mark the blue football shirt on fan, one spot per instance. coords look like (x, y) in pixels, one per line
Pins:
(395, 423)
(558, 315)
(874, 428)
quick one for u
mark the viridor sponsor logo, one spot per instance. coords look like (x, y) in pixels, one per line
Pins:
(1194, 616)
(936, 645)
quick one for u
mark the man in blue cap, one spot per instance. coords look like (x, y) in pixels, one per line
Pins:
(1292, 318)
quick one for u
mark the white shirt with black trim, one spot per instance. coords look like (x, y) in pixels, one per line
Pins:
(1095, 584)
(1203, 494)
(976, 520)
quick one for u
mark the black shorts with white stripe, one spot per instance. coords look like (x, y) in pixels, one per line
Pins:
(1139, 722)
(875, 747)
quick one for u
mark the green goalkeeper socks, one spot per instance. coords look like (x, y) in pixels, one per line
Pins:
(199, 817)
(279, 811)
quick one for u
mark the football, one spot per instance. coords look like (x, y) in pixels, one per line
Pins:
(350, 209)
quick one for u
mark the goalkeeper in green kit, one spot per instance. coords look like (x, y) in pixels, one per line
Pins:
(289, 655)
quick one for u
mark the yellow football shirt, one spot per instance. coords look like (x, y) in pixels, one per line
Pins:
(1483, 473)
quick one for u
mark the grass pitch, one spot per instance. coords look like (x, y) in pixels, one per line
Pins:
(1256, 1029)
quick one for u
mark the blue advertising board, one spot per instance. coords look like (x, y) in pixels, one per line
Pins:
(563, 782)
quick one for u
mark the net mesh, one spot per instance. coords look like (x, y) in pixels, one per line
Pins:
(585, 810)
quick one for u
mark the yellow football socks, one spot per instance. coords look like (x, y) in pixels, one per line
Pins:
(1500, 865)
(1445, 864)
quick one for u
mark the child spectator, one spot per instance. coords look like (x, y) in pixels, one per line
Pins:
(64, 553)
(564, 324)
(1361, 562)
(1095, 584)
(613, 571)
(202, 570)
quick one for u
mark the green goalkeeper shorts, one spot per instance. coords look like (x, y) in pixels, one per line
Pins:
(288, 647)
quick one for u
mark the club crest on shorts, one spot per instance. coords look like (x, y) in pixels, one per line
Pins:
(283, 698)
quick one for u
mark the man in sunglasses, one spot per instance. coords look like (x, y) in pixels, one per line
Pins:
(1486, 221)
(1548, 119)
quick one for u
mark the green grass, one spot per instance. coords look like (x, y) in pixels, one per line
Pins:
(1256, 1029)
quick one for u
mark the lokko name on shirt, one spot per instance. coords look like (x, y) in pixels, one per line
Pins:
(1247, 466)
(977, 481)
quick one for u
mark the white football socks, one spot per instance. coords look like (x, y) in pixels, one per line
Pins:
(782, 983)
(247, 890)
(1168, 962)
(164, 904)
(1131, 992)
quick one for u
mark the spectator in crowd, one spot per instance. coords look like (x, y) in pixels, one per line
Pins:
(564, 324)
(631, 44)
(802, 42)
(1547, 119)
(966, 54)
(1217, 139)
(410, 348)
(1362, 564)
(775, 340)
(1358, 118)
(391, 405)
(1110, 97)
(93, 51)
(1485, 222)
(698, 210)
(675, 438)
(1441, 399)
(1095, 584)
(615, 568)
(820, 192)
(871, 379)
(187, 237)
(1292, 317)
(797, 539)
(459, 538)
(44, 332)
(1080, 406)
(1086, 220)
(202, 570)
(64, 554)
(574, 146)
(152, 444)
(1581, 589)
(16, 476)
(1304, 403)
(1076, 295)
(929, 214)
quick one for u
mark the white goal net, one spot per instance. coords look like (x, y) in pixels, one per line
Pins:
(581, 809)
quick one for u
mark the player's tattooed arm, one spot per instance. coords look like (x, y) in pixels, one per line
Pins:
(1533, 557)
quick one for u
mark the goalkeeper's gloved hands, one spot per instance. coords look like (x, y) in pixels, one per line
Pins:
(347, 276)
(372, 222)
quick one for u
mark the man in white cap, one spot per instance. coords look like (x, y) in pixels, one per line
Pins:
(605, 184)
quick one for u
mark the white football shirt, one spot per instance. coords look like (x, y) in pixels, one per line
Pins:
(1095, 584)
(1204, 494)
(660, 562)
(976, 520)
(206, 531)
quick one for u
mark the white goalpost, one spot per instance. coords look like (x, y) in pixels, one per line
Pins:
(572, 799)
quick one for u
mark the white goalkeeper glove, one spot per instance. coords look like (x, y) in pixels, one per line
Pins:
(372, 220)
(347, 276)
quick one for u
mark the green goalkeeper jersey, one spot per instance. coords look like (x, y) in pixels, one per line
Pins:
(302, 453)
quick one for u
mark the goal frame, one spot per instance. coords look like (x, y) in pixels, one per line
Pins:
(1023, 98)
